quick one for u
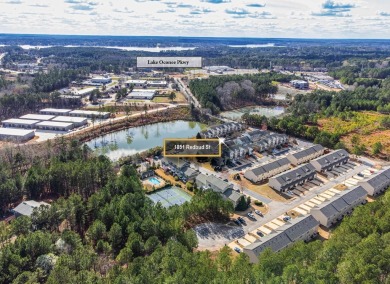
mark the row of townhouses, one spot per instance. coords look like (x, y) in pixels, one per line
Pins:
(326, 214)
(218, 185)
(221, 130)
(377, 183)
(290, 179)
(304, 155)
(329, 161)
(302, 228)
(258, 140)
(332, 211)
(262, 172)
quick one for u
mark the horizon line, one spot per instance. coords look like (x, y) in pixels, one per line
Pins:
(169, 36)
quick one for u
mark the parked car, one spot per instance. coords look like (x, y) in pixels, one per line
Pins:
(250, 215)
(360, 175)
(237, 222)
(237, 249)
(242, 221)
(286, 218)
(258, 213)
(260, 234)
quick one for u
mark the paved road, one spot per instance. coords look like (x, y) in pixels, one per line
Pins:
(186, 91)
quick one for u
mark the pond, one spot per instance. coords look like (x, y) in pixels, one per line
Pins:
(138, 139)
(260, 110)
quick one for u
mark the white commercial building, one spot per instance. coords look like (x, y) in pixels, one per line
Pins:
(17, 135)
(55, 111)
(141, 94)
(20, 123)
(136, 83)
(157, 84)
(101, 80)
(54, 125)
(77, 121)
(37, 116)
(89, 114)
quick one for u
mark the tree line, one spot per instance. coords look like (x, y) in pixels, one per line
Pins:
(226, 92)
(118, 235)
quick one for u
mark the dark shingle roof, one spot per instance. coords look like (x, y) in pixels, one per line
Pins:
(300, 225)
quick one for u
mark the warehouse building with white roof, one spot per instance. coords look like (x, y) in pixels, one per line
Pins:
(55, 125)
(20, 123)
(40, 117)
(141, 94)
(89, 114)
(77, 121)
(55, 111)
(16, 135)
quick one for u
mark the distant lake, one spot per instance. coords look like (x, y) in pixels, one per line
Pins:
(254, 45)
(127, 48)
(138, 139)
(260, 110)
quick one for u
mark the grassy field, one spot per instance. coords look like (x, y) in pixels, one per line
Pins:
(164, 99)
(365, 125)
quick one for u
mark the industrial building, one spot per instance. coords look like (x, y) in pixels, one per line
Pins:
(299, 84)
(141, 94)
(292, 178)
(84, 92)
(302, 228)
(89, 114)
(16, 135)
(77, 121)
(26, 208)
(39, 117)
(136, 83)
(332, 211)
(55, 111)
(329, 161)
(157, 84)
(20, 123)
(305, 155)
(377, 183)
(55, 125)
(218, 185)
(101, 80)
(268, 170)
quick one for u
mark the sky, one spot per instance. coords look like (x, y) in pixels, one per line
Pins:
(220, 18)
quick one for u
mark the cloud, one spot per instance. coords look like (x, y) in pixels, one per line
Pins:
(39, 5)
(199, 11)
(14, 2)
(147, 0)
(334, 9)
(237, 11)
(329, 4)
(216, 1)
(73, 1)
(81, 7)
(262, 15)
(330, 14)
(125, 10)
(255, 5)
(167, 11)
(384, 14)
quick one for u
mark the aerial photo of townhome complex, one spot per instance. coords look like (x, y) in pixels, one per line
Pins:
(195, 141)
